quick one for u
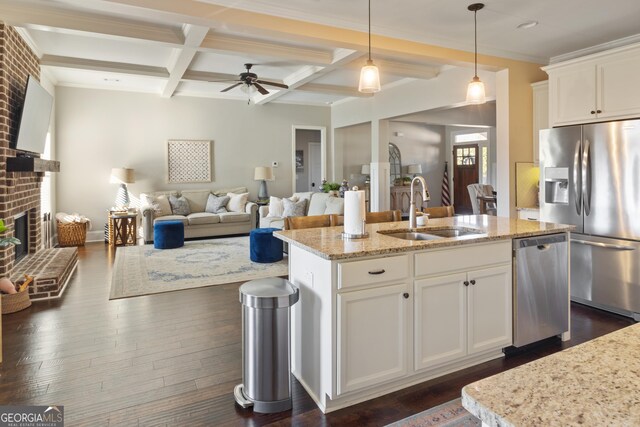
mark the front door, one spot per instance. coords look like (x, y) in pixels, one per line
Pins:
(465, 172)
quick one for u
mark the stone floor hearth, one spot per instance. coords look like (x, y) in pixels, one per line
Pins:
(51, 269)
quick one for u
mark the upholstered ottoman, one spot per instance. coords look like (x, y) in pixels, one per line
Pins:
(263, 246)
(168, 234)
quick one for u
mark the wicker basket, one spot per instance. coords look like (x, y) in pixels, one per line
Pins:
(72, 234)
(15, 302)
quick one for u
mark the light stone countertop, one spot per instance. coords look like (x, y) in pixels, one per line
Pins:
(327, 242)
(592, 384)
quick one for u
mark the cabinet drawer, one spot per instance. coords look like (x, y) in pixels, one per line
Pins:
(462, 258)
(372, 271)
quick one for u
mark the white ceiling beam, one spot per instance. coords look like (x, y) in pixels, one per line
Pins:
(193, 37)
(225, 43)
(401, 69)
(106, 66)
(333, 90)
(309, 73)
(206, 76)
(47, 18)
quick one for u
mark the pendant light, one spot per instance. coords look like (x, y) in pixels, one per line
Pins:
(369, 75)
(475, 91)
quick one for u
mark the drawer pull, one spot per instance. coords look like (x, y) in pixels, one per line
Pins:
(377, 271)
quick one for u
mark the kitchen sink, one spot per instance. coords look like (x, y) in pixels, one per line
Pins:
(412, 235)
(440, 233)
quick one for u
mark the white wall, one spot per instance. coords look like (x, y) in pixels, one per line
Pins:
(425, 145)
(355, 144)
(97, 130)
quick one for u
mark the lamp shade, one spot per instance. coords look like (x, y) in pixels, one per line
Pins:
(123, 175)
(365, 170)
(263, 173)
(475, 92)
(414, 169)
(369, 78)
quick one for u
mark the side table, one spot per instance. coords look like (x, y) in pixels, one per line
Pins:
(123, 229)
(260, 203)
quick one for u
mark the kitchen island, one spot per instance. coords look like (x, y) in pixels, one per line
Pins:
(382, 313)
(595, 383)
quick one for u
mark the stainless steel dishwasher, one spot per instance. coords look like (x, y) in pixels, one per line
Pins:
(541, 288)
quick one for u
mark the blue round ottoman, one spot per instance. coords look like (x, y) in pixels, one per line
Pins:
(263, 246)
(168, 234)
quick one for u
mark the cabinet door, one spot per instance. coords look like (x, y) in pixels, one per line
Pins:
(372, 331)
(489, 315)
(572, 94)
(618, 89)
(440, 320)
(540, 115)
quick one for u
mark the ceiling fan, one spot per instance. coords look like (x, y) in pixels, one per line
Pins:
(251, 79)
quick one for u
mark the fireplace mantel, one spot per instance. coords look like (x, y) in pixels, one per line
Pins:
(32, 164)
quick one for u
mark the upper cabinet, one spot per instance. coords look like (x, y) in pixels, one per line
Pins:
(595, 88)
(540, 114)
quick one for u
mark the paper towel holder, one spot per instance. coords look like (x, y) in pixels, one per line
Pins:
(349, 236)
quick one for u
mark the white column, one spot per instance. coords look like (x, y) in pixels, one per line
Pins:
(380, 191)
(502, 142)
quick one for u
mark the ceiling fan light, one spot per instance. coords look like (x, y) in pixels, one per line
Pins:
(248, 89)
(475, 92)
(369, 78)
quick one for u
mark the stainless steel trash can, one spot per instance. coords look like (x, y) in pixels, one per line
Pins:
(266, 359)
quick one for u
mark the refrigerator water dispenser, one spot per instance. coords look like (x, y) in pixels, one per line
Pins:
(556, 185)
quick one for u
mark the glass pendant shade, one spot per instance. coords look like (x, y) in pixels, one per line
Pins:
(369, 78)
(475, 92)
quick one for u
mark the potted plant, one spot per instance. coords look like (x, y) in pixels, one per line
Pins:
(331, 188)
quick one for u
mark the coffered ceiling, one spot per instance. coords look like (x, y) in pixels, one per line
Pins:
(185, 47)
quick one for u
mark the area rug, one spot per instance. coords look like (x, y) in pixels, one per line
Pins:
(449, 414)
(143, 270)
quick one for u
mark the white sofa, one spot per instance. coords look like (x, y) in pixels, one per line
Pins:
(316, 205)
(199, 223)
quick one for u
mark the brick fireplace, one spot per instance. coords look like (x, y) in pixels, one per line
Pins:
(19, 191)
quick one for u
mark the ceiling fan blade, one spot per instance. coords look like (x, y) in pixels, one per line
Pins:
(264, 82)
(223, 81)
(231, 87)
(260, 88)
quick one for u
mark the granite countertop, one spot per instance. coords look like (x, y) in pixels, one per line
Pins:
(596, 383)
(327, 242)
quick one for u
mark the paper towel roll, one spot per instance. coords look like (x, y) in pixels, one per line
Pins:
(354, 212)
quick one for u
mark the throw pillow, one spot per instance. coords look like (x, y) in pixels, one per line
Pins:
(179, 205)
(217, 204)
(292, 208)
(335, 205)
(276, 206)
(160, 204)
(237, 202)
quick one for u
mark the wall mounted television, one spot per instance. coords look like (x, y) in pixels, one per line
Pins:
(34, 119)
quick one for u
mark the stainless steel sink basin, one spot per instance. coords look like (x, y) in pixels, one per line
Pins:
(434, 234)
(412, 235)
(454, 232)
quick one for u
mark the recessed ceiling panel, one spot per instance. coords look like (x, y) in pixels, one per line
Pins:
(264, 67)
(103, 80)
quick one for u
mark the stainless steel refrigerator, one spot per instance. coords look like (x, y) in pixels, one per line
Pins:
(590, 178)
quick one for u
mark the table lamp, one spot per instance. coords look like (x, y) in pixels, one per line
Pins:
(414, 169)
(122, 176)
(366, 171)
(264, 174)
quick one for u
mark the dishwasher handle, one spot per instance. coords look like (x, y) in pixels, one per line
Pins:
(541, 242)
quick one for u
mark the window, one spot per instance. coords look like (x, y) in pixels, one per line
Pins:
(471, 137)
(466, 156)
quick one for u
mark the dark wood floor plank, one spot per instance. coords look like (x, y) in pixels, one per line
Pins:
(174, 358)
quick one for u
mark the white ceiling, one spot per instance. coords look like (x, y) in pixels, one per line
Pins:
(180, 47)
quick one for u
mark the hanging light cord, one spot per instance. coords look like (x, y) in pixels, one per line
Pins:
(475, 38)
(369, 30)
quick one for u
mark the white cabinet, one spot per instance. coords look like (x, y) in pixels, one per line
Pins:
(540, 114)
(530, 214)
(489, 309)
(461, 314)
(594, 88)
(372, 328)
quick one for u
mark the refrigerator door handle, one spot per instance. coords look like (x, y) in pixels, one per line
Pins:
(577, 179)
(604, 245)
(586, 177)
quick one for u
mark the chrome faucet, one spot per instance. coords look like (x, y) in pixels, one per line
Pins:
(425, 197)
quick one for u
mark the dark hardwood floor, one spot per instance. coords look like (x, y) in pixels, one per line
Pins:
(174, 358)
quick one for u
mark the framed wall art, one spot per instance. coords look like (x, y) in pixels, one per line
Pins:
(189, 161)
